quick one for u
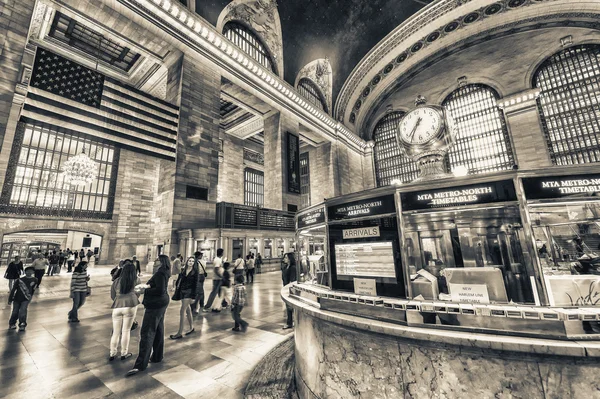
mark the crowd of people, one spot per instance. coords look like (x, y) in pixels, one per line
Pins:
(228, 291)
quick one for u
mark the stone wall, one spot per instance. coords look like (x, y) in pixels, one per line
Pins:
(231, 171)
(337, 362)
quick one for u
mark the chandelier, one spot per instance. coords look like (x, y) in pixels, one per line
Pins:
(79, 170)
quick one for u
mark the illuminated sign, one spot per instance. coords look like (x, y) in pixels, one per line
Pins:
(311, 218)
(561, 186)
(293, 163)
(369, 207)
(484, 193)
(361, 233)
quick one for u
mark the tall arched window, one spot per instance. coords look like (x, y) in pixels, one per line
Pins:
(312, 93)
(568, 104)
(249, 42)
(482, 144)
(390, 162)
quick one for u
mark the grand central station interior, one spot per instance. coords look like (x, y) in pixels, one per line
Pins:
(316, 199)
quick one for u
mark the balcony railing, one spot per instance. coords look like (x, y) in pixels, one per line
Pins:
(235, 216)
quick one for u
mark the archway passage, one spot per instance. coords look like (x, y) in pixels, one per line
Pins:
(27, 244)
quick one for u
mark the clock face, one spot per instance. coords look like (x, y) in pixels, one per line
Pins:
(420, 125)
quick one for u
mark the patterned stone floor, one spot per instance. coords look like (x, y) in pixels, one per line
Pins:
(55, 359)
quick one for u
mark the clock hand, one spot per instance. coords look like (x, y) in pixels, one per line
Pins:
(412, 133)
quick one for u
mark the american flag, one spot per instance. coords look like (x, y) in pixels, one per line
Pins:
(67, 94)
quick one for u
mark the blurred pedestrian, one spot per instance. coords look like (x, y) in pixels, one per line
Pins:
(13, 272)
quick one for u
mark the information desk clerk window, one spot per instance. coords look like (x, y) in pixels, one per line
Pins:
(375, 258)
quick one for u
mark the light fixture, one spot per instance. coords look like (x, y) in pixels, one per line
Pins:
(396, 182)
(460, 171)
(80, 170)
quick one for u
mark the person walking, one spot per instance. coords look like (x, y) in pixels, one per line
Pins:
(186, 291)
(13, 272)
(288, 275)
(199, 302)
(250, 269)
(79, 290)
(20, 296)
(61, 259)
(70, 261)
(239, 266)
(217, 277)
(81, 255)
(156, 300)
(237, 304)
(225, 294)
(89, 255)
(53, 259)
(259, 263)
(136, 263)
(124, 308)
(39, 265)
(175, 269)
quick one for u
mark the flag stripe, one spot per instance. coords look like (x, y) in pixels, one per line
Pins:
(110, 98)
(121, 92)
(99, 117)
(133, 90)
(63, 118)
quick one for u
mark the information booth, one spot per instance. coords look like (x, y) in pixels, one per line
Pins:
(363, 245)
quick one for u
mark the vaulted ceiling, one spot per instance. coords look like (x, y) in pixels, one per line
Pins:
(342, 30)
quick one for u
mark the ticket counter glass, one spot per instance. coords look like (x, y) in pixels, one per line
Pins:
(311, 247)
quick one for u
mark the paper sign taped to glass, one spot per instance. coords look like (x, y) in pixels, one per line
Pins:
(490, 277)
(470, 293)
(579, 290)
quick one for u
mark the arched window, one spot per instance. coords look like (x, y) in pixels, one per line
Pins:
(569, 104)
(312, 93)
(390, 162)
(482, 144)
(250, 43)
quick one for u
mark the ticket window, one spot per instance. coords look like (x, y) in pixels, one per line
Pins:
(253, 243)
(208, 249)
(310, 249)
(237, 248)
(268, 248)
(475, 240)
(280, 248)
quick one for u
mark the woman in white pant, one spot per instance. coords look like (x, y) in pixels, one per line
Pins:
(124, 308)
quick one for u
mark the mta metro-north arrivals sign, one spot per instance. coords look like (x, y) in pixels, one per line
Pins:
(573, 186)
(363, 208)
(484, 193)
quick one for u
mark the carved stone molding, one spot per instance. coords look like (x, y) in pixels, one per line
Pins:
(320, 73)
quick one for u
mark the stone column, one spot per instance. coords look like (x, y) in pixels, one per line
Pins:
(369, 167)
(275, 153)
(522, 117)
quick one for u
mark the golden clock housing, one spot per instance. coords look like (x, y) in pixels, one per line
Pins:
(425, 134)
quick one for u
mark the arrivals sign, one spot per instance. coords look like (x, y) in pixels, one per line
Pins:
(483, 193)
(562, 186)
(363, 232)
(293, 163)
(367, 207)
(311, 218)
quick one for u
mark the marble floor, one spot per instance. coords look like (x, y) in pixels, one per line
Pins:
(55, 359)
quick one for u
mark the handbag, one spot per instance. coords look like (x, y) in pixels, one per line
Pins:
(177, 294)
(203, 269)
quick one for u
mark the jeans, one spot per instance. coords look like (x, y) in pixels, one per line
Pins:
(52, 269)
(152, 338)
(19, 311)
(235, 313)
(78, 301)
(11, 284)
(122, 319)
(39, 274)
(250, 275)
(213, 294)
(290, 316)
(70, 266)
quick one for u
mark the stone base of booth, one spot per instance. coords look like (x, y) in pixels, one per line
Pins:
(341, 356)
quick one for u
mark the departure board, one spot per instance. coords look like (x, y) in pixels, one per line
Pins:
(373, 259)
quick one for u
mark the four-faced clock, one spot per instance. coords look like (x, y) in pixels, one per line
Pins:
(421, 125)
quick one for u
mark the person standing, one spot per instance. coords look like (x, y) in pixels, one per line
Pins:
(225, 295)
(61, 259)
(258, 264)
(186, 291)
(70, 261)
(288, 275)
(53, 259)
(39, 265)
(136, 263)
(81, 255)
(239, 266)
(156, 300)
(89, 255)
(217, 277)
(199, 302)
(13, 272)
(250, 269)
(124, 308)
(79, 290)
(20, 296)
(237, 304)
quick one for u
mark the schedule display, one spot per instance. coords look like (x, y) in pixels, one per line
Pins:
(374, 259)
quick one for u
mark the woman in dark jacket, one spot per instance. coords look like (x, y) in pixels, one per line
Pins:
(156, 301)
(187, 289)
(288, 275)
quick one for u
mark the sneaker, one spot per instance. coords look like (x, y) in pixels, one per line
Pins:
(286, 327)
(216, 311)
(132, 372)
(126, 356)
(111, 358)
(205, 310)
(12, 327)
(22, 328)
(236, 329)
